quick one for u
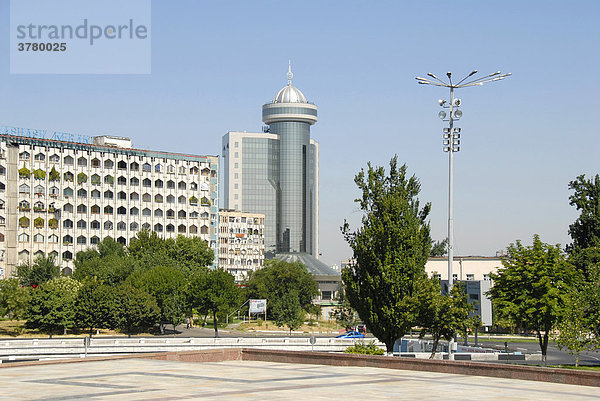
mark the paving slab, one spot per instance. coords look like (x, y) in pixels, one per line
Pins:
(146, 379)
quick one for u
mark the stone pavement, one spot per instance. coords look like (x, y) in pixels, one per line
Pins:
(146, 379)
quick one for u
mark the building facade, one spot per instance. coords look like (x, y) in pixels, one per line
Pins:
(59, 197)
(276, 173)
(241, 242)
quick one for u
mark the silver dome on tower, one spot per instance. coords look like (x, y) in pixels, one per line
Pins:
(289, 93)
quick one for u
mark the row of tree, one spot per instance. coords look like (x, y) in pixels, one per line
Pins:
(152, 282)
(540, 288)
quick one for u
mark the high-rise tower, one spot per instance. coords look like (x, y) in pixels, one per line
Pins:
(290, 116)
(276, 173)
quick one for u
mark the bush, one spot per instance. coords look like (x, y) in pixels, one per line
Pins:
(364, 349)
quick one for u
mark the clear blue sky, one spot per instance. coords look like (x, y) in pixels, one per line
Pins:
(215, 63)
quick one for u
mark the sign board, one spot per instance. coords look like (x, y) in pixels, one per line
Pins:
(258, 305)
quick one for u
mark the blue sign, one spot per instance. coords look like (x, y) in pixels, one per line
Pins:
(45, 134)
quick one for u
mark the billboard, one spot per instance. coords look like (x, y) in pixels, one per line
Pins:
(258, 305)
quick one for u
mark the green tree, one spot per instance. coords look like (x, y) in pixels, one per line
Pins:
(287, 311)
(81, 178)
(51, 309)
(530, 289)
(167, 285)
(585, 231)
(14, 299)
(442, 315)
(39, 174)
(94, 306)
(439, 248)
(213, 291)
(390, 251)
(134, 310)
(38, 272)
(278, 278)
(24, 172)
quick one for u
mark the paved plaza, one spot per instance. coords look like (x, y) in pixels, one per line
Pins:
(145, 379)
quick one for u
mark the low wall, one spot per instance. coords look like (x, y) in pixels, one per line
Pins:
(565, 376)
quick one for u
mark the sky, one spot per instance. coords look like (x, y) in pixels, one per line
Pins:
(214, 64)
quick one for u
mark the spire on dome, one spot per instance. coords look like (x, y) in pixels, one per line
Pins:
(290, 75)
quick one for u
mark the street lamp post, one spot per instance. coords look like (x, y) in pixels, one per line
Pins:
(451, 145)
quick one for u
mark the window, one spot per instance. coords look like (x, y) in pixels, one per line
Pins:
(68, 224)
(24, 206)
(81, 209)
(171, 169)
(194, 215)
(82, 162)
(94, 240)
(158, 213)
(95, 194)
(486, 277)
(122, 165)
(146, 168)
(134, 196)
(194, 170)
(121, 226)
(24, 255)
(108, 194)
(108, 225)
(146, 212)
(158, 184)
(108, 209)
(157, 168)
(121, 195)
(134, 166)
(170, 214)
(134, 226)
(193, 186)
(146, 226)
(39, 238)
(95, 163)
(470, 277)
(68, 176)
(67, 255)
(67, 239)
(81, 240)
(95, 225)
(39, 157)
(53, 238)
(81, 193)
(81, 224)
(146, 197)
(181, 185)
(95, 179)
(170, 199)
(181, 229)
(134, 181)
(182, 170)
(181, 214)
(109, 179)
(170, 228)
(24, 189)
(171, 184)
(134, 211)
(68, 208)
(122, 180)
(54, 159)
(68, 161)
(67, 192)
(158, 228)
(158, 198)
(122, 241)
(204, 230)
(108, 164)
(95, 209)
(121, 210)
(146, 183)
(23, 237)
(54, 192)
(193, 229)
(181, 200)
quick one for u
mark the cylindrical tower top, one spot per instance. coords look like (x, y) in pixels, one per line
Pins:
(290, 104)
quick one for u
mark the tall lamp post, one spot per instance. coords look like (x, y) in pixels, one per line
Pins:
(451, 145)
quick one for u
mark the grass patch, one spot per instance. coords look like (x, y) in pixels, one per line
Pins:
(592, 368)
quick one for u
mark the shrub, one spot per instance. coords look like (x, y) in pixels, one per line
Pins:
(364, 349)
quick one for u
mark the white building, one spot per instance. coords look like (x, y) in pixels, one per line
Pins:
(465, 268)
(59, 197)
(241, 242)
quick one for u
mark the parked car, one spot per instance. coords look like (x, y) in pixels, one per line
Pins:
(351, 334)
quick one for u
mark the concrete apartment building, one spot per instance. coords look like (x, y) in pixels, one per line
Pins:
(59, 196)
(241, 242)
